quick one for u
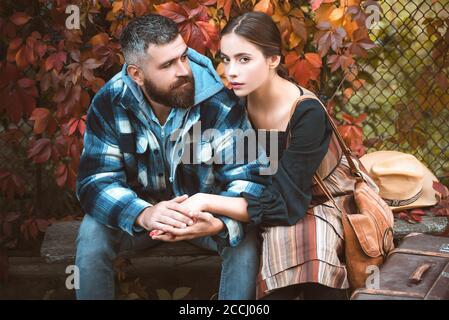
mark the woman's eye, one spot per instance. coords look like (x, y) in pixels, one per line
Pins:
(244, 59)
(184, 58)
(224, 59)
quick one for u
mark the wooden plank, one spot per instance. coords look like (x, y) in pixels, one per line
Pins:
(59, 245)
(59, 241)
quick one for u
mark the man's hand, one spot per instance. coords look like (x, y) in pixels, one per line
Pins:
(167, 216)
(206, 225)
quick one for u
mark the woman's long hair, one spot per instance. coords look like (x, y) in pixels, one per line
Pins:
(259, 29)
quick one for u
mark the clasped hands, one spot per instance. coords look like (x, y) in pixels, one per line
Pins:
(182, 218)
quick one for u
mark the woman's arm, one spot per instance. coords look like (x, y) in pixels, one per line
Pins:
(232, 207)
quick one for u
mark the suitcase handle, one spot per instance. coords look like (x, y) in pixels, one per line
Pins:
(418, 274)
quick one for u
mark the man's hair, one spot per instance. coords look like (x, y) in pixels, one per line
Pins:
(143, 31)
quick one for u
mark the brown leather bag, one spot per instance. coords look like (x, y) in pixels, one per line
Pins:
(368, 233)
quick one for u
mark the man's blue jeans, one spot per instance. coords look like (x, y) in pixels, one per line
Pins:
(98, 245)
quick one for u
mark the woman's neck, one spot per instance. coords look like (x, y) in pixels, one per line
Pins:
(264, 97)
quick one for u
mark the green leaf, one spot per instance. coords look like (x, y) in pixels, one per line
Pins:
(163, 294)
(181, 292)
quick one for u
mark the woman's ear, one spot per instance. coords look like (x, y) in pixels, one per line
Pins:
(274, 61)
(135, 73)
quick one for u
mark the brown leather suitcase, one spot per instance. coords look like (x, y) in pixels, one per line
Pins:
(418, 269)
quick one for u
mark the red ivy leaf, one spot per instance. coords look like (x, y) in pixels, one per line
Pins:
(194, 25)
(41, 117)
(11, 184)
(56, 61)
(40, 150)
(441, 189)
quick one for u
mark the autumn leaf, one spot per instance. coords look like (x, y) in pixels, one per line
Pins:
(65, 175)
(303, 69)
(67, 100)
(17, 94)
(314, 59)
(317, 3)
(352, 133)
(226, 5)
(337, 14)
(42, 120)
(181, 293)
(11, 184)
(442, 190)
(344, 61)
(20, 18)
(264, 6)
(77, 125)
(12, 136)
(56, 61)
(360, 43)
(328, 38)
(40, 150)
(194, 25)
(106, 51)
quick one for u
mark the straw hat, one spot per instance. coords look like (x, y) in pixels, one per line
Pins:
(404, 182)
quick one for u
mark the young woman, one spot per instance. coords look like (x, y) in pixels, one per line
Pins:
(302, 248)
(303, 254)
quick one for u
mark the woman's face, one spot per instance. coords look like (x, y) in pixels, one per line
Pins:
(245, 66)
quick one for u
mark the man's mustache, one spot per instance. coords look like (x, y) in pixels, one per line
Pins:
(181, 81)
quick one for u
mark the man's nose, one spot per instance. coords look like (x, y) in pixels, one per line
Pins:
(183, 69)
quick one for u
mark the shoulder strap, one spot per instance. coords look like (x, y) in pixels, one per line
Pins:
(347, 152)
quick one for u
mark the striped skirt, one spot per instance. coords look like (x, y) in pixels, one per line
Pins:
(312, 250)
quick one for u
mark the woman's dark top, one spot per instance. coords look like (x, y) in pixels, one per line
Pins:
(286, 199)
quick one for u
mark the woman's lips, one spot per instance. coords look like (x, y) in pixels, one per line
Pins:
(237, 85)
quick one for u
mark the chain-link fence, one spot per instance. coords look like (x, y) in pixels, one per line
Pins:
(406, 94)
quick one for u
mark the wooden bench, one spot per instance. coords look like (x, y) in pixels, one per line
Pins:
(59, 242)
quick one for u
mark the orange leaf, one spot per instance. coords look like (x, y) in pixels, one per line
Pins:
(226, 5)
(336, 14)
(99, 39)
(317, 3)
(314, 59)
(264, 6)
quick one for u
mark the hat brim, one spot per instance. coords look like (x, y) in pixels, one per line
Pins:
(427, 197)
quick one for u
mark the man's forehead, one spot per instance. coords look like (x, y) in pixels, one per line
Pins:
(171, 50)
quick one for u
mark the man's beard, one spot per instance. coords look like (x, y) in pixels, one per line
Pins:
(178, 95)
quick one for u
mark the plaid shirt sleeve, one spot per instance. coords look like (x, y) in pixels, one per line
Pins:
(236, 177)
(101, 182)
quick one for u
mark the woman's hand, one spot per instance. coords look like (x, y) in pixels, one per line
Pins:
(196, 203)
(207, 225)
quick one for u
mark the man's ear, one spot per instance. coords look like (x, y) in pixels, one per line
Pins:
(274, 61)
(135, 73)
